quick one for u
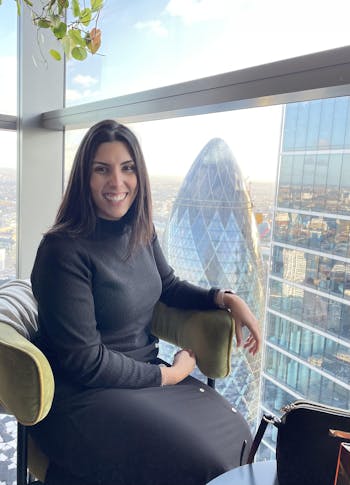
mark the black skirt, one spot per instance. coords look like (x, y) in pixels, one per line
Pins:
(184, 434)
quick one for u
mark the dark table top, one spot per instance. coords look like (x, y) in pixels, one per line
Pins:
(260, 473)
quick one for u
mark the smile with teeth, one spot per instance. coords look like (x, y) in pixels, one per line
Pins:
(115, 197)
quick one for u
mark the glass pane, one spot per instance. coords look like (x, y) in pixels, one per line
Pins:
(8, 58)
(308, 305)
(205, 177)
(151, 44)
(8, 216)
(308, 318)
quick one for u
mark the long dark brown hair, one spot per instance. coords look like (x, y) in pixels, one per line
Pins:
(76, 215)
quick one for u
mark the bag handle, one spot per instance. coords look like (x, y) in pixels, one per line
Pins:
(337, 433)
(265, 420)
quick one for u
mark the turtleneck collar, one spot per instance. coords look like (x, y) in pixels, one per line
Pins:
(106, 226)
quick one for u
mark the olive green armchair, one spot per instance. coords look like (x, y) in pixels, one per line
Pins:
(26, 379)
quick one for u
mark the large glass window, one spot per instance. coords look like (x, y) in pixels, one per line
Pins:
(326, 354)
(8, 58)
(305, 380)
(308, 311)
(8, 215)
(213, 193)
(151, 44)
(325, 234)
(327, 275)
(317, 311)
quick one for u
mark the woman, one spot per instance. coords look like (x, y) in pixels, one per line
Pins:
(119, 416)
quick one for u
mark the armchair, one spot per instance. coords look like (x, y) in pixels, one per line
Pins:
(26, 379)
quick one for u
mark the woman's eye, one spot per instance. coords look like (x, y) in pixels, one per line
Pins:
(130, 167)
(100, 169)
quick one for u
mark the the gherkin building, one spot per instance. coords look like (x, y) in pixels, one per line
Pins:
(211, 239)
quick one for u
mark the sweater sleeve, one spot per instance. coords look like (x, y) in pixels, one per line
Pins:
(62, 285)
(180, 293)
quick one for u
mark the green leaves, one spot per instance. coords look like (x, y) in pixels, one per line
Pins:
(96, 5)
(79, 53)
(85, 16)
(76, 38)
(55, 54)
(60, 30)
(75, 8)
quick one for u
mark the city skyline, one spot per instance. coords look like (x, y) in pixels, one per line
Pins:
(307, 353)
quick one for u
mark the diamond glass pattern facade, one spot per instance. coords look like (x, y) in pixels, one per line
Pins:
(308, 311)
(212, 240)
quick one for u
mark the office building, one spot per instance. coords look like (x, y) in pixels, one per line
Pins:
(308, 312)
(212, 240)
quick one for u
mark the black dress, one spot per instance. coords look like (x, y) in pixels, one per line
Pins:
(111, 422)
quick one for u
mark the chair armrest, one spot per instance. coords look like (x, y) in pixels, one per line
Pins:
(208, 333)
(26, 380)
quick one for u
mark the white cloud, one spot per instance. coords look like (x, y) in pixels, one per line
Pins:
(85, 81)
(191, 11)
(84, 95)
(154, 26)
(73, 95)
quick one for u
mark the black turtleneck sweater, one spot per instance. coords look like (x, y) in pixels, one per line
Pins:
(95, 306)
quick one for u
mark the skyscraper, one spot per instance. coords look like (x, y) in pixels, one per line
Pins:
(308, 312)
(212, 240)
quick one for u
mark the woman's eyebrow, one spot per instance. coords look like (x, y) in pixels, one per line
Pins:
(106, 163)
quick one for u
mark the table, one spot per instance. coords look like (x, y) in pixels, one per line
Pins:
(260, 473)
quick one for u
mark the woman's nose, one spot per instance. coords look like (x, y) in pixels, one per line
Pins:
(116, 177)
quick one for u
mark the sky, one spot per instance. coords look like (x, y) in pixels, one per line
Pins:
(152, 43)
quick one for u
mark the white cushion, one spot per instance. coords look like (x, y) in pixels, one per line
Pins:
(18, 307)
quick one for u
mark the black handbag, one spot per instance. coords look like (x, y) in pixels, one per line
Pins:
(306, 452)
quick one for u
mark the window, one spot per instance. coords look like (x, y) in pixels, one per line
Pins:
(8, 206)
(205, 174)
(8, 58)
(147, 45)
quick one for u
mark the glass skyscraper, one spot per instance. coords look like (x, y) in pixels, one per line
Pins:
(307, 352)
(212, 240)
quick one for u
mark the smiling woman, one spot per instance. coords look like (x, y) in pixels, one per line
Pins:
(107, 273)
(113, 180)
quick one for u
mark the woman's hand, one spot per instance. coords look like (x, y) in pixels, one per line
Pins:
(243, 317)
(183, 364)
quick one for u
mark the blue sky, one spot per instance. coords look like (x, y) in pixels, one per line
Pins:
(150, 43)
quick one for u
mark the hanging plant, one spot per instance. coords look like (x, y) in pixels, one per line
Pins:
(78, 36)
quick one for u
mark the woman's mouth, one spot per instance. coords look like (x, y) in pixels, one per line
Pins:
(115, 197)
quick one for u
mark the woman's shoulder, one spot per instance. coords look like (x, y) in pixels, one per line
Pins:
(59, 244)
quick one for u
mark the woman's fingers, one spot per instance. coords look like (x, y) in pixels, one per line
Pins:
(252, 343)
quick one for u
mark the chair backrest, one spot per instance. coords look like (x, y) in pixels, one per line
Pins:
(26, 380)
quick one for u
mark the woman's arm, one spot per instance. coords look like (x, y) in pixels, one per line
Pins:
(243, 317)
(62, 284)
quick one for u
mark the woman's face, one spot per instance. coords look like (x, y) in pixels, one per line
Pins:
(113, 181)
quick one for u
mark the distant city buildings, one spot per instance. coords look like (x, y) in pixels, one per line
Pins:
(211, 239)
(307, 351)
(2, 259)
(8, 223)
